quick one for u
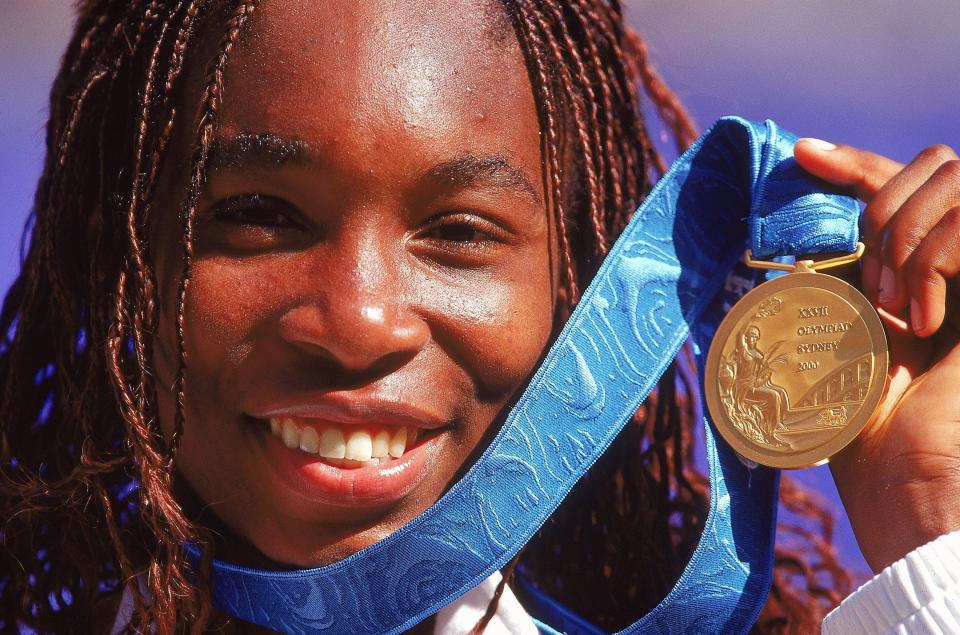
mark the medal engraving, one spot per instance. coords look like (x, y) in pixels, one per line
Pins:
(796, 369)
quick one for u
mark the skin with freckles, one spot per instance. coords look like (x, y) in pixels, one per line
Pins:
(372, 230)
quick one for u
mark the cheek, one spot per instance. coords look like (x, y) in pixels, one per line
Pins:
(226, 304)
(223, 303)
(223, 306)
(497, 328)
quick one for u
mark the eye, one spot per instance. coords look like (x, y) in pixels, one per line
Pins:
(254, 210)
(462, 230)
(457, 232)
(461, 240)
(252, 223)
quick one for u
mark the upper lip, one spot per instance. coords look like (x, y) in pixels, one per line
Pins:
(351, 410)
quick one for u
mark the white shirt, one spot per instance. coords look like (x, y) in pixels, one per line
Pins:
(917, 595)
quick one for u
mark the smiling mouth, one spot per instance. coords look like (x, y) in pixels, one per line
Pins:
(347, 446)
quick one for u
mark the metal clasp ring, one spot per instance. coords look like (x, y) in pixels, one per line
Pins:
(804, 265)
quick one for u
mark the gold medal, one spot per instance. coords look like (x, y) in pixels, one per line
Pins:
(797, 367)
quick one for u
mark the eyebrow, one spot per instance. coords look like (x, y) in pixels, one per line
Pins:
(258, 150)
(491, 171)
(265, 150)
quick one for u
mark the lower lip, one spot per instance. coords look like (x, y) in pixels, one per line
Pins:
(351, 487)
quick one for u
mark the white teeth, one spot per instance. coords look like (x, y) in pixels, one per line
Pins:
(359, 446)
(381, 444)
(398, 443)
(291, 435)
(309, 440)
(332, 445)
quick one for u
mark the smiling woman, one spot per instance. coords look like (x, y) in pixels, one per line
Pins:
(371, 224)
(314, 324)
(323, 247)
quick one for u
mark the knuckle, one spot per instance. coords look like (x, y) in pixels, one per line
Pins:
(921, 272)
(902, 239)
(927, 280)
(949, 171)
(939, 153)
(916, 264)
(952, 219)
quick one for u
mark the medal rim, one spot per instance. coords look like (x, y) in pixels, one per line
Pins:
(821, 453)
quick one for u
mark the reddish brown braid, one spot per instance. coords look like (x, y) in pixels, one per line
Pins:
(78, 418)
(74, 437)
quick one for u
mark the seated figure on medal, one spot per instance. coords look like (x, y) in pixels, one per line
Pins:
(756, 404)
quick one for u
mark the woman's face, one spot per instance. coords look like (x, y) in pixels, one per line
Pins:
(372, 263)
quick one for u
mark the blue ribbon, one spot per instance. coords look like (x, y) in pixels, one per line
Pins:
(661, 283)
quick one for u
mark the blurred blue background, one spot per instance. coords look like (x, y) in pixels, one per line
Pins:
(881, 75)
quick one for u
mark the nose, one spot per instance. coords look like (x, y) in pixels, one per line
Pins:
(356, 338)
(358, 317)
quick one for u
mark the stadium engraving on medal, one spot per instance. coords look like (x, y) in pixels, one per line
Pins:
(796, 369)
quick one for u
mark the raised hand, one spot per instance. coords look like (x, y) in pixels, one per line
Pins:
(900, 479)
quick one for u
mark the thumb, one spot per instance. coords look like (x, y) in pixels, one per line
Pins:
(861, 171)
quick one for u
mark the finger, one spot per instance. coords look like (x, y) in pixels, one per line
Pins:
(882, 208)
(904, 232)
(867, 175)
(934, 261)
(862, 171)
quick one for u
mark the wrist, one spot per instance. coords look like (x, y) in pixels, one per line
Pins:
(899, 520)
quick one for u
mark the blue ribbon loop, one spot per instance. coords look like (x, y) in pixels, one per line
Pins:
(661, 283)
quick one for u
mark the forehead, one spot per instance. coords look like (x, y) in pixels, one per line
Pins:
(377, 72)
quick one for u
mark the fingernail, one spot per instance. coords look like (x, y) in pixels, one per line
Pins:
(888, 285)
(819, 144)
(916, 316)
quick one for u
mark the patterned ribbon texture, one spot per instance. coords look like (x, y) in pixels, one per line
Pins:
(662, 282)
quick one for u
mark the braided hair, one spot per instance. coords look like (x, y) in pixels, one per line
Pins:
(86, 476)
